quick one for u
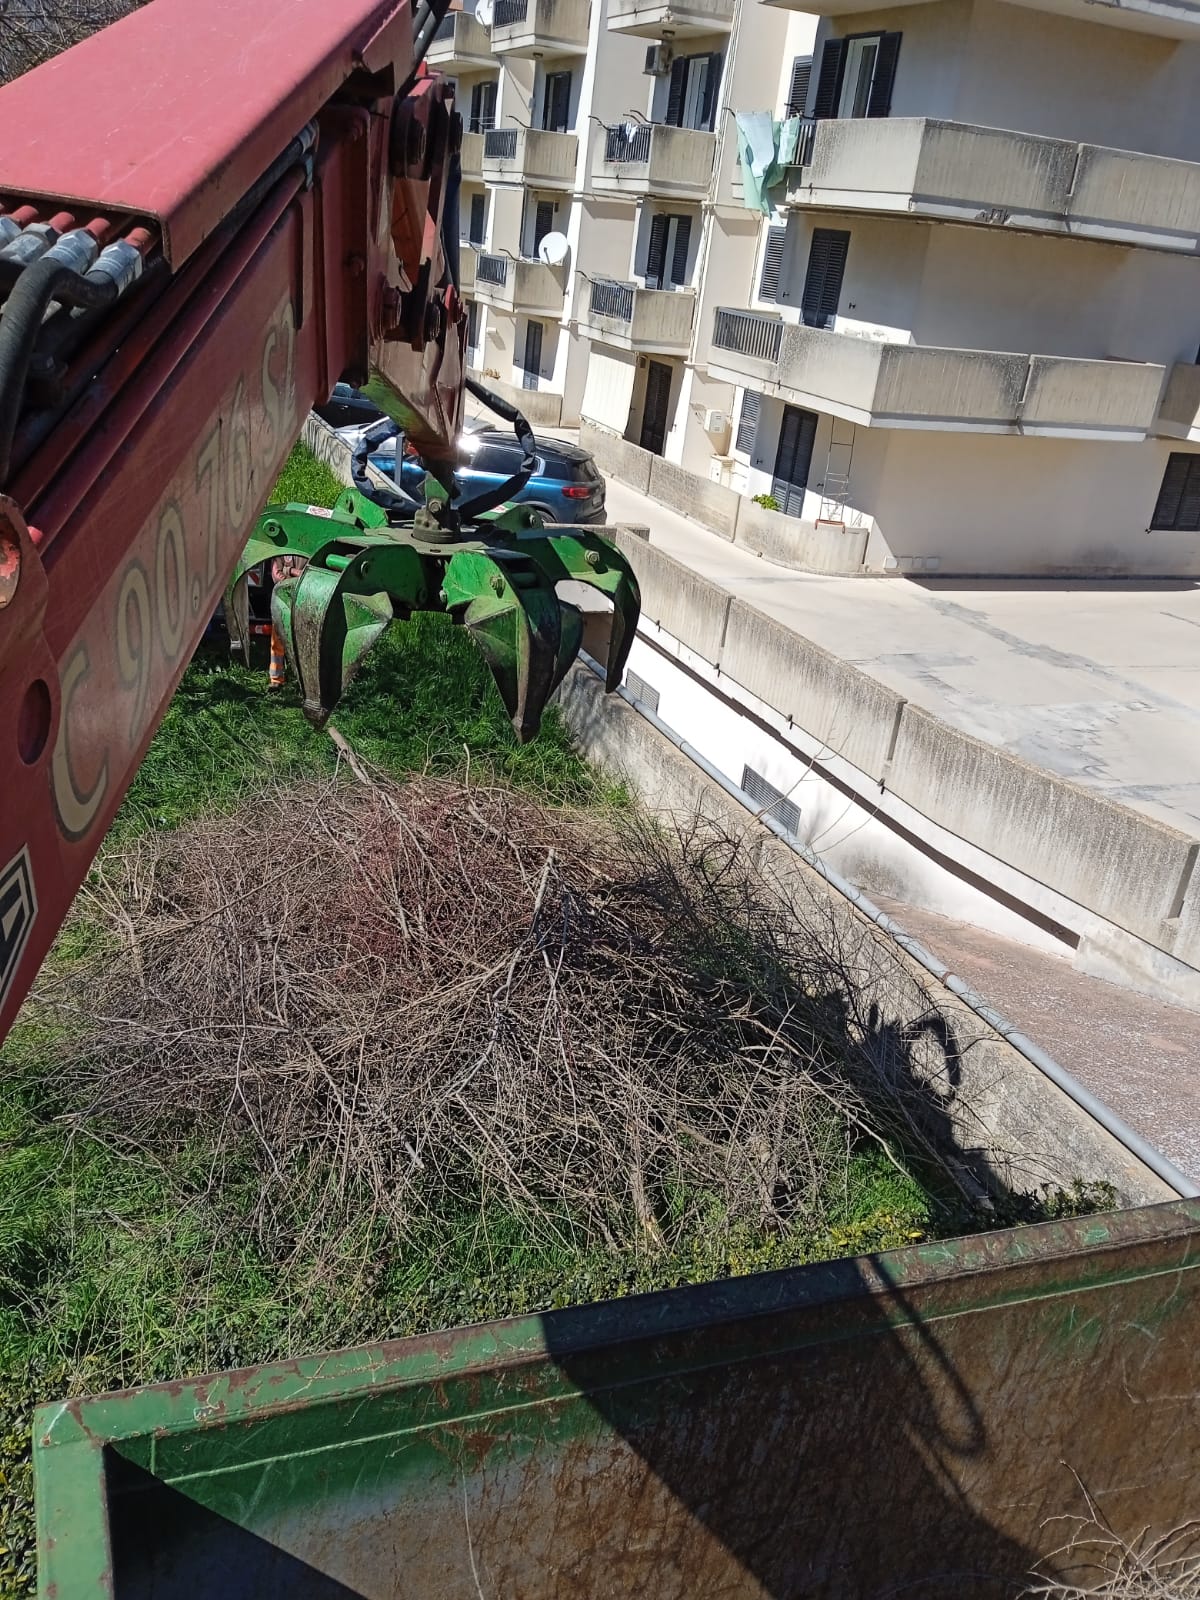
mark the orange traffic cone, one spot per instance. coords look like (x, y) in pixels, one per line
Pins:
(277, 675)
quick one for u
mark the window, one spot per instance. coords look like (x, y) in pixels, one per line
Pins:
(483, 108)
(823, 278)
(857, 76)
(797, 99)
(501, 459)
(692, 91)
(556, 102)
(667, 251)
(477, 226)
(768, 283)
(473, 330)
(1178, 506)
(747, 422)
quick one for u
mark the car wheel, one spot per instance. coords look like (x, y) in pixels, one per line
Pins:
(543, 511)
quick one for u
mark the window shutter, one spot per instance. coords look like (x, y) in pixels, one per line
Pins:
(478, 226)
(557, 110)
(712, 85)
(768, 287)
(675, 92)
(476, 107)
(797, 435)
(829, 79)
(823, 277)
(748, 421)
(683, 238)
(543, 222)
(1178, 506)
(656, 255)
(797, 98)
(879, 103)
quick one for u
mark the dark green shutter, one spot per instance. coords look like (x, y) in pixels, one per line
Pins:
(879, 103)
(797, 99)
(829, 79)
(675, 92)
(768, 287)
(823, 277)
(656, 254)
(683, 238)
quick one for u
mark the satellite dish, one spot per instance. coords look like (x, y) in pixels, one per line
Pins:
(485, 11)
(554, 247)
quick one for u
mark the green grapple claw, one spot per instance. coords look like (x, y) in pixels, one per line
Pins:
(363, 572)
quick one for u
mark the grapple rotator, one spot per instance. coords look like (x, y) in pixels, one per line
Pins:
(496, 572)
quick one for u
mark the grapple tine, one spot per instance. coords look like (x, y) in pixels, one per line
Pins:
(511, 611)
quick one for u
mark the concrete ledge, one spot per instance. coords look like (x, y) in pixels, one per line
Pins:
(542, 407)
(710, 504)
(1123, 866)
(689, 607)
(617, 457)
(848, 711)
(332, 450)
(1004, 1111)
(791, 542)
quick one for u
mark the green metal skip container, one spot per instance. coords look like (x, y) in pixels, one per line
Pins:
(918, 1423)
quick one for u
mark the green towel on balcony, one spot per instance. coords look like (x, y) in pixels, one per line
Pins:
(787, 144)
(757, 134)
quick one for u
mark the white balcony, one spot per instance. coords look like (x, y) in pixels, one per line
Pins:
(1179, 413)
(954, 171)
(511, 284)
(654, 321)
(654, 159)
(539, 27)
(674, 19)
(472, 157)
(461, 44)
(920, 386)
(1170, 19)
(530, 156)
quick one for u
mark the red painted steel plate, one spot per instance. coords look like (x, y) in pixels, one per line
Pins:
(176, 110)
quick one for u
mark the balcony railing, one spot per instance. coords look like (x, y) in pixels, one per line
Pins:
(623, 144)
(611, 299)
(535, 155)
(675, 19)
(654, 158)
(748, 333)
(492, 269)
(445, 28)
(633, 318)
(539, 27)
(500, 144)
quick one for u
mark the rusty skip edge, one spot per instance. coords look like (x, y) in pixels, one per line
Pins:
(716, 1324)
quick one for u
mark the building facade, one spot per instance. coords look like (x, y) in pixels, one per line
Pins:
(966, 334)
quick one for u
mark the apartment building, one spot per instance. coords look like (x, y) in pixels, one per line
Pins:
(964, 340)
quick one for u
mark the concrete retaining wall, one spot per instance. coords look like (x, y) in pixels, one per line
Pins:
(1133, 873)
(616, 457)
(1005, 1113)
(1121, 865)
(787, 541)
(542, 407)
(710, 504)
(330, 448)
(851, 713)
(790, 542)
(678, 600)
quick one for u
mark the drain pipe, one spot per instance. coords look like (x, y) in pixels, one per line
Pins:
(1170, 1174)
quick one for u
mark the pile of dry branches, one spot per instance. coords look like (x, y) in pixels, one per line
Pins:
(432, 994)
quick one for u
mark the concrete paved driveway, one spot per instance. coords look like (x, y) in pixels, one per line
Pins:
(1099, 682)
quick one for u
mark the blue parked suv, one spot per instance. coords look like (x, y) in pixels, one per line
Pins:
(566, 485)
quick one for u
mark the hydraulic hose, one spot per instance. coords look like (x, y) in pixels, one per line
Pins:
(491, 498)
